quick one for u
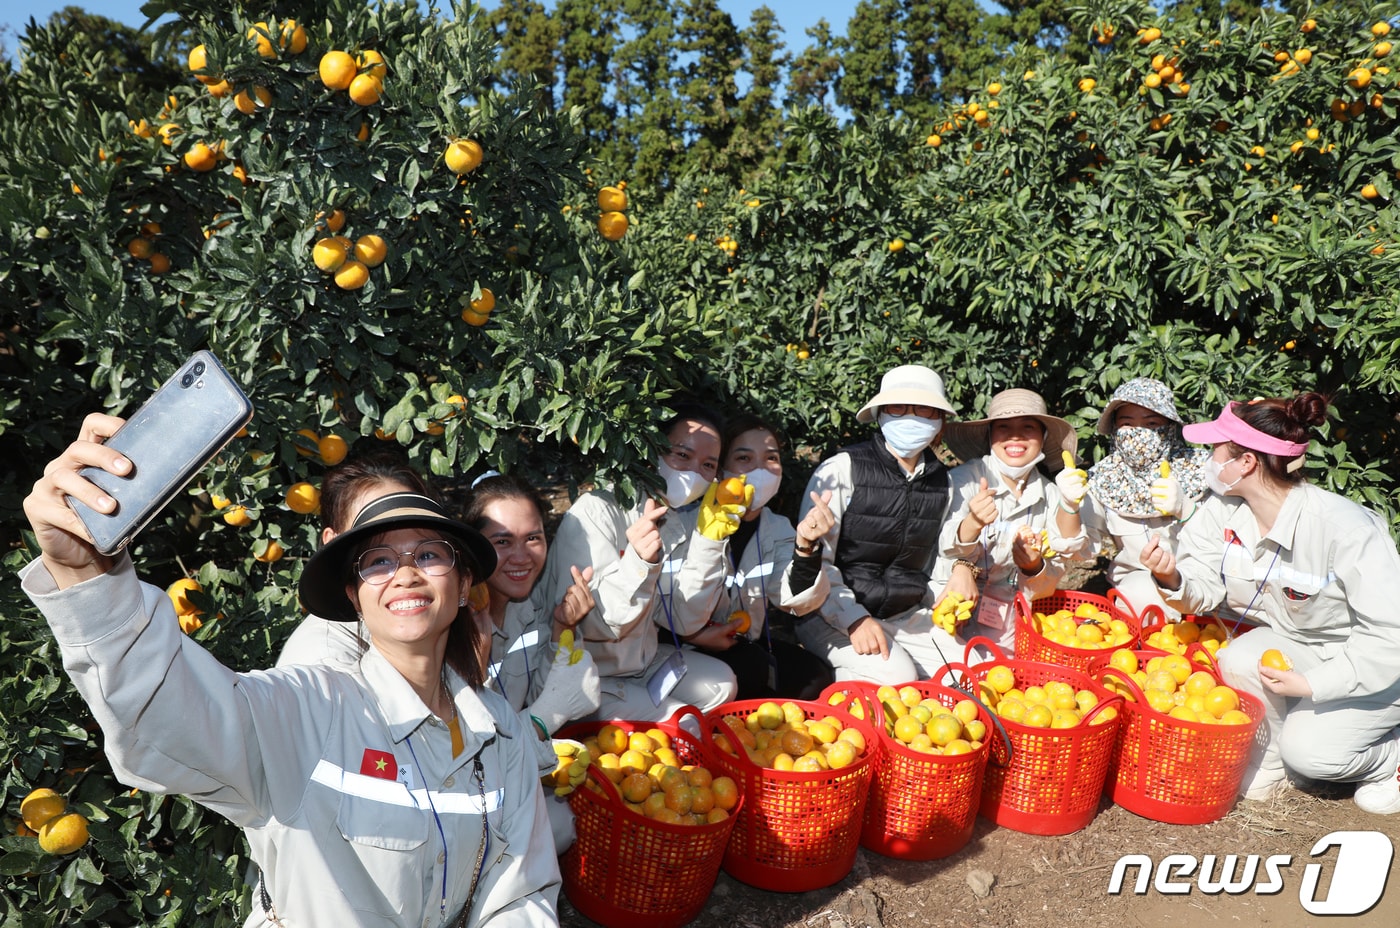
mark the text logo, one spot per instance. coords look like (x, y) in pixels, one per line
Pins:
(1358, 875)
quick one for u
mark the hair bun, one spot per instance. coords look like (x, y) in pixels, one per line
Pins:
(1308, 409)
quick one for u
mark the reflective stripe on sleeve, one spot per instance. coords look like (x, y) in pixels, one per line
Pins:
(394, 793)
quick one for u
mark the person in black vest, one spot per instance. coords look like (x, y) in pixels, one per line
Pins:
(889, 496)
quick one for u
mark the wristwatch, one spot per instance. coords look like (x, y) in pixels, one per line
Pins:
(976, 571)
(807, 552)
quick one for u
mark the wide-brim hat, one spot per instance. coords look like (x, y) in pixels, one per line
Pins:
(972, 439)
(326, 575)
(1140, 391)
(909, 383)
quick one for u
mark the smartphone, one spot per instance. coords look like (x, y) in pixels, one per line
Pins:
(168, 440)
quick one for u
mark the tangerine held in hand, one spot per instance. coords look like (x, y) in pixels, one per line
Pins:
(1276, 659)
(730, 492)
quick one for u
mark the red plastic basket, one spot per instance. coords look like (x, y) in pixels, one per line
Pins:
(1173, 770)
(921, 806)
(625, 869)
(1052, 783)
(797, 831)
(1031, 645)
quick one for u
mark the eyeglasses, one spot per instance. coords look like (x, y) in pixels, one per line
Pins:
(910, 409)
(377, 566)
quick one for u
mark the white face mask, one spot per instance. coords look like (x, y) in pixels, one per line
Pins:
(764, 483)
(682, 486)
(1016, 473)
(1212, 470)
(908, 435)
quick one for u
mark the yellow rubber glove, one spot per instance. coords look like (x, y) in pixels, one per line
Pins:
(571, 768)
(566, 643)
(1072, 482)
(718, 521)
(1166, 493)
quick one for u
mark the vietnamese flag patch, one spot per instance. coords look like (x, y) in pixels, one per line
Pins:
(379, 764)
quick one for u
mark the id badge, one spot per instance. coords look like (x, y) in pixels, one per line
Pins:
(994, 613)
(666, 678)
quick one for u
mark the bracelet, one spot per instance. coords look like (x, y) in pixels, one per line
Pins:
(1066, 509)
(544, 732)
(1194, 507)
(976, 571)
(807, 552)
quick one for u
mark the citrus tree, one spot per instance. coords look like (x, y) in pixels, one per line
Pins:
(381, 247)
(1206, 202)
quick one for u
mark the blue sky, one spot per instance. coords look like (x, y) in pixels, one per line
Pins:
(795, 16)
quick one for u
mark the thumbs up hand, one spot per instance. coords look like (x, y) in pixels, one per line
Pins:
(1073, 483)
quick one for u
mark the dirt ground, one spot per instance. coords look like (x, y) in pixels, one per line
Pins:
(1050, 882)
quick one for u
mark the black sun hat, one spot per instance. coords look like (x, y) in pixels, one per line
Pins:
(325, 576)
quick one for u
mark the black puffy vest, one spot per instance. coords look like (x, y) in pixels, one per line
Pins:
(889, 531)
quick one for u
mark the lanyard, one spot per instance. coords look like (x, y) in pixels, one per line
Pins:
(525, 642)
(485, 845)
(1233, 540)
(670, 573)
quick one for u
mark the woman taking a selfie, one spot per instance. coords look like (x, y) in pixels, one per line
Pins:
(394, 792)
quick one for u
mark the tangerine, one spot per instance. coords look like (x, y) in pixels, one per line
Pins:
(63, 834)
(337, 69)
(731, 492)
(41, 806)
(303, 498)
(463, 156)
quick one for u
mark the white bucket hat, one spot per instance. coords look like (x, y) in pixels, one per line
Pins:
(909, 383)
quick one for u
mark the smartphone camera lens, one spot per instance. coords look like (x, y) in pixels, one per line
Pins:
(198, 368)
(187, 380)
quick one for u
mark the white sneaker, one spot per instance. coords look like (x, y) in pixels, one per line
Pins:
(1379, 797)
(1266, 784)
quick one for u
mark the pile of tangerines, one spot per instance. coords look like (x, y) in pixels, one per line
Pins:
(1053, 704)
(924, 724)
(1175, 637)
(781, 737)
(1171, 685)
(652, 780)
(1087, 627)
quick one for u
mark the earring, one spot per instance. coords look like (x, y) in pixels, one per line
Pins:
(359, 617)
(461, 602)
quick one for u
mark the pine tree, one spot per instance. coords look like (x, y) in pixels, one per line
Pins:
(530, 41)
(760, 122)
(870, 59)
(814, 71)
(710, 50)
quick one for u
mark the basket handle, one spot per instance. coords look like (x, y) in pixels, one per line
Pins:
(683, 712)
(997, 653)
(1153, 620)
(1114, 700)
(1152, 616)
(1138, 695)
(1000, 748)
(853, 692)
(1116, 603)
(708, 740)
(610, 790)
(1210, 662)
